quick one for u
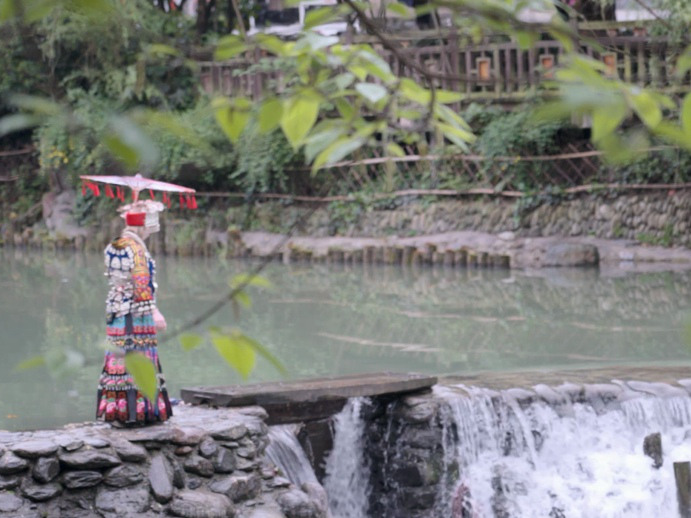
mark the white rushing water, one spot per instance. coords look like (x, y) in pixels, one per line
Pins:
(563, 459)
(347, 473)
(285, 451)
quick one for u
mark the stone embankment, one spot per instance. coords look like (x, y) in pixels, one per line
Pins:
(459, 249)
(201, 464)
(605, 228)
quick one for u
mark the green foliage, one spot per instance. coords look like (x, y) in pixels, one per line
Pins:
(263, 161)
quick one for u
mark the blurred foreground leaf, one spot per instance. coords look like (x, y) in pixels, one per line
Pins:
(190, 341)
(236, 350)
(31, 363)
(143, 372)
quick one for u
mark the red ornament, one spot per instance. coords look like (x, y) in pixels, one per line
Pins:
(109, 191)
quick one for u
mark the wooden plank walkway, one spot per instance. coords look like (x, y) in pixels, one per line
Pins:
(307, 400)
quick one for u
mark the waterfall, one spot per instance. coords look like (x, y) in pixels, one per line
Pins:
(347, 472)
(287, 454)
(524, 455)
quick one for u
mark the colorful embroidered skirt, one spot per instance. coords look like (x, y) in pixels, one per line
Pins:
(118, 397)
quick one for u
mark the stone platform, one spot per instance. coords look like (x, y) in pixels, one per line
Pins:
(307, 400)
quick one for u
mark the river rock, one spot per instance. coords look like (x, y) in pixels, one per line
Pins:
(10, 463)
(224, 462)
(200, 504)
(130, 452)
(161, 479)
(125, 502)
(46, 469)
(233, 433)
(199, 466)
(70, 443)
(96, 442)
(318, 495)
(9, 502)
(123, 476)
(40, 492)
(262, 512)
(188, 435)
(34, 449)
(296, 504)
(208, 447)
(570, 254)
(151, 434)
(237, 487)
(81, 479)
(8, 482)
(89, 459)
(652, 447)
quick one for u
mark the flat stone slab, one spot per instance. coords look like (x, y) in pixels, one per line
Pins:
(305, 400)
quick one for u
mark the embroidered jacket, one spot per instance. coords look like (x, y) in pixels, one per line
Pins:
(131, 275)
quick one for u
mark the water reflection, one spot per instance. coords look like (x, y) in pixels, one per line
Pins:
(336, 320)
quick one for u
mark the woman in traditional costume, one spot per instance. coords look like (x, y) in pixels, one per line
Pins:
(132, 321)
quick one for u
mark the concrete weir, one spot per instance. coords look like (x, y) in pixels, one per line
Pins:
(386, 445)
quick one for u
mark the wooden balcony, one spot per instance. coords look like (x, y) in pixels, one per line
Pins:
(493, 71)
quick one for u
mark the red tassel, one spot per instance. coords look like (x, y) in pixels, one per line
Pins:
(83, 189)
(191, 202)
(151, 194)
(166, 199)
(109, 191)
(182, 202)
(120, 194)
(93, 188)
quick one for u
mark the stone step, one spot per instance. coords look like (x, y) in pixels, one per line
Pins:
(307, 400)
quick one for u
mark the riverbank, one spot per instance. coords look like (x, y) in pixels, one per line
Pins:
(627, 229)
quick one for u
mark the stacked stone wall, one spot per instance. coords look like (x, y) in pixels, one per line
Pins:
(202, 464)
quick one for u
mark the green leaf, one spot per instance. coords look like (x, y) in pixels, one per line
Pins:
(190, 341)
(143, 372)
(684, 63)
(319, 140)
(244, 279)
(229, 47)
(399, 9)
(414, 92)
(315, 41)
(162, 50)
(394, 149)
(17, 122)
(35, 104)
(35, 10)
(371, 91)
(7, 11)
(98, 9)
(266, 354)
(243, 299)
(526, 39)
(299, 115)
(446, 96)
(647, 109)
(345, 108)
(321, 16)
(686, 114)
(273, 44)
(31, 363)
(232, 117)
(235, 349)
(606, 119)
(337, 151)
(270, 114)
(358, 71)
(344, 80)
(456, 135)
(129, 144)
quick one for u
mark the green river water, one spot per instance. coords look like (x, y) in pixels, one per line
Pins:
(334, 320)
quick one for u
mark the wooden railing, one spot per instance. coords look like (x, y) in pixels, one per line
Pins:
(493, 71)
